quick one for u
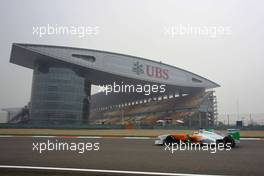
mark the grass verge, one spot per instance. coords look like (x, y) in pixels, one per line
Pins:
(109, 133)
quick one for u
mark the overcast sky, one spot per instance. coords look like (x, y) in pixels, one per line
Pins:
(137, 27)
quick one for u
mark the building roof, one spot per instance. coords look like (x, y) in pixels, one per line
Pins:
(104, 67)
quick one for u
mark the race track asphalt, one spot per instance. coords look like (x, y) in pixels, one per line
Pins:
(135, 155)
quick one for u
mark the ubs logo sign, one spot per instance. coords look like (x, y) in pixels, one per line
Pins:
(138, 68)
(150, 71)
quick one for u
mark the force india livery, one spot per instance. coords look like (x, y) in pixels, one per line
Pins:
(232, 137)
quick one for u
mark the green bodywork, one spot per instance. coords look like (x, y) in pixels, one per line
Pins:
(235, 134)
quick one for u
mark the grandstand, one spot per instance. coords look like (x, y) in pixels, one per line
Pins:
(63, 76)
(171, 109)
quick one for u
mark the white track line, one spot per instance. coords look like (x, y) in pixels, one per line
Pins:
(77, 137)
(250, 139)
(137, 137)
(6, 136)
(101, 137)
(89, 137)
(101, 171)
(41, 136)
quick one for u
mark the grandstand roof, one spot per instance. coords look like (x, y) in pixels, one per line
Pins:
(102, 67)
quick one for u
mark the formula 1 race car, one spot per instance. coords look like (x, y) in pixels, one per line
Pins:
(232, 137)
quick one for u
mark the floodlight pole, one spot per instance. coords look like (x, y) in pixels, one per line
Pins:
(238, 109)
(228, 120)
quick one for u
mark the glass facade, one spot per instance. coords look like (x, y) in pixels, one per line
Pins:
(60, 94)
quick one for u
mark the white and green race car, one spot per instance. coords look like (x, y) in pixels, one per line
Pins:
(231, 137)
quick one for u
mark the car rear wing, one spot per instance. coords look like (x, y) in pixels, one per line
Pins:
(234, 133)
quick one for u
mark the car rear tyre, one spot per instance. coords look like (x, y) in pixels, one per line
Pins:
(228, 140)
(169, 140)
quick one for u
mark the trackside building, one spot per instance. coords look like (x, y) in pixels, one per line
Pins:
(62, 79)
